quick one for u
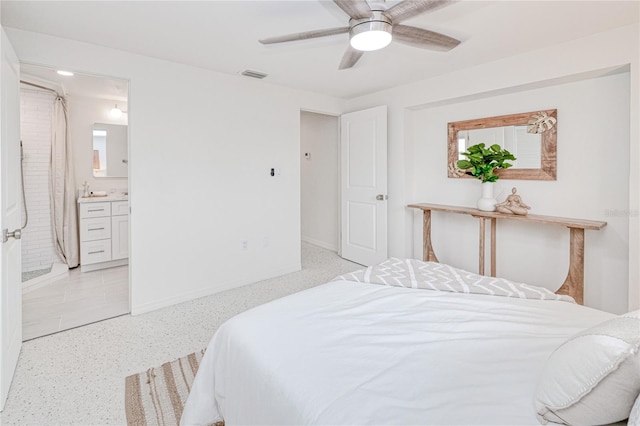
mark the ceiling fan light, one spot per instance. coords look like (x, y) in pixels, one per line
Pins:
(371, 35)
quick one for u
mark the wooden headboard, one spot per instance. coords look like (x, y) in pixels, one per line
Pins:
(574, 283)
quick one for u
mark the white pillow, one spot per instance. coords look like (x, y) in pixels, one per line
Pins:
(634, 417)
(594, 377)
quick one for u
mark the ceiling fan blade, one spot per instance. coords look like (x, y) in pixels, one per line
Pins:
(423, 39)
(410, 8)
(305, 35)
(351, 56)
(356, 9)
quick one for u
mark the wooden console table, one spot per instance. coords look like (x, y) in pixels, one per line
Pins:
(574, 283)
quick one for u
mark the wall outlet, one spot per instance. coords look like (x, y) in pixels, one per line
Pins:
(265, 242)
(244, 245)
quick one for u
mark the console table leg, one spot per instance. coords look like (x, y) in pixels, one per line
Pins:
(481, 254)
(574, 284)
(493, 246)
(428, 254)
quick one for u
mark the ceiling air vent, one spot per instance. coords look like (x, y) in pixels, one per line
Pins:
(253, 74)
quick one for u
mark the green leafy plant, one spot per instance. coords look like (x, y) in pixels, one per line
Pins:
(481, 162)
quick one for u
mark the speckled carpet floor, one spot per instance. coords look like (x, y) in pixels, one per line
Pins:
(76, 377)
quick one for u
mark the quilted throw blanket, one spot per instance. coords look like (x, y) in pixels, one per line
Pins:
(412, 273)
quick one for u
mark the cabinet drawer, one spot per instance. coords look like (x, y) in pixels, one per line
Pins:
(119, 208)
(95, 210)
(95, 251)
(97, 228)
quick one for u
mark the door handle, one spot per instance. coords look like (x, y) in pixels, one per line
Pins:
(17, 234)
(381, 197)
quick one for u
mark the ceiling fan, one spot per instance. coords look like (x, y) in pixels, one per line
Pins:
(373, 28)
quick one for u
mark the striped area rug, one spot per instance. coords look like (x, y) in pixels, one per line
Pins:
(157, 396)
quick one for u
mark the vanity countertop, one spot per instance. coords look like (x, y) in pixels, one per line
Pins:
(112, 197)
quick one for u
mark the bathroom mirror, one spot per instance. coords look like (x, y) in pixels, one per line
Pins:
(531, 137)
(110, 150)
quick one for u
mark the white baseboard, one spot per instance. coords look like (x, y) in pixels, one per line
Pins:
(208, 291)
(104, 265)
(319, 243)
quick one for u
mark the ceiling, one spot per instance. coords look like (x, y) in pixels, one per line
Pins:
(78, 85)
(222, 35)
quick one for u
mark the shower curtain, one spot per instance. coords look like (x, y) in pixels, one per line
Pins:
(63, 199)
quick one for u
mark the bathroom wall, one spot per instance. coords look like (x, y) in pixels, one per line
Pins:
(319, 211)
(38, 250)
(83, 113)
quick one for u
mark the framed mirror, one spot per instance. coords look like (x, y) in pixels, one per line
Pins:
(530, 136)
(110, 150)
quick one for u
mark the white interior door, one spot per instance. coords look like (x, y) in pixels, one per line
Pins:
(10, 249)
(363, 137)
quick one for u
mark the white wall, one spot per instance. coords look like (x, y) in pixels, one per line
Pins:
(83, 113)
(201, 147)
(593, 183)
(38, 250)
(319, 186)
(190, 141)
(572, 61)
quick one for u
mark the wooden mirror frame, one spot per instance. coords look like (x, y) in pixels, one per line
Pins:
(548, 160)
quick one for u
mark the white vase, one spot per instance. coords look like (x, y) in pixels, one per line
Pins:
(488, 202)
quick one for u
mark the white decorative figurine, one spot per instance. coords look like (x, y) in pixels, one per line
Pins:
(513, 204)
(86, 189)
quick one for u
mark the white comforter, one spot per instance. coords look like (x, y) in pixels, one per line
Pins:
(355, 353)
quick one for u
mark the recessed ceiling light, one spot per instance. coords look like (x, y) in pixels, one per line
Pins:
(65, 73)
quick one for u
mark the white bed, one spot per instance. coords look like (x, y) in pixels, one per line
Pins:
(355, 353)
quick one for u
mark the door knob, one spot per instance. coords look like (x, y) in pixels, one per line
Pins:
(381, 197)
(17, 234)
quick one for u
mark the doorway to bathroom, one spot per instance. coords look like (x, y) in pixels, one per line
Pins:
(75, 215)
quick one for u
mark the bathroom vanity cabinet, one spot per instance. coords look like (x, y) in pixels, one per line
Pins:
(104, 233)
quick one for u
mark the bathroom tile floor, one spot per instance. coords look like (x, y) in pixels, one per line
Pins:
(79, 299)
